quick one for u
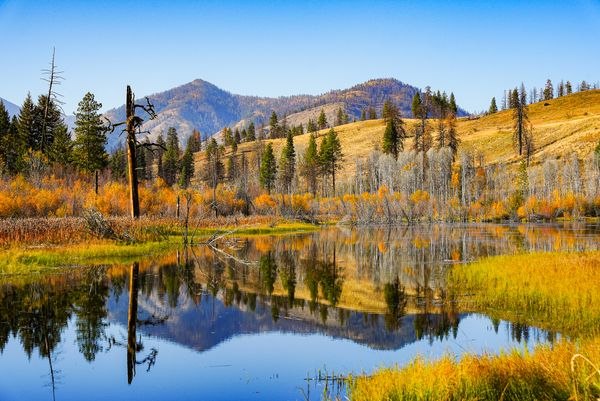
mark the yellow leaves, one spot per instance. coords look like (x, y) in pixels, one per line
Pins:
(265, 203)
(419, 196)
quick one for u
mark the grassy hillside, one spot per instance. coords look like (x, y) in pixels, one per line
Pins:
(563, 125)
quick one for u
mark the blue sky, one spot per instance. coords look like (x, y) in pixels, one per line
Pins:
(274, 48)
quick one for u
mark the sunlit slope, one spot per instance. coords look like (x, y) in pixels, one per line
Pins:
(563, 125)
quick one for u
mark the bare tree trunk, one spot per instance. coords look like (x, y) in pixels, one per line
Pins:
(132, 321)
(131, 144)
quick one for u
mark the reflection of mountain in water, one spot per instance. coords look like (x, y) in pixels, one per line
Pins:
(210, 322)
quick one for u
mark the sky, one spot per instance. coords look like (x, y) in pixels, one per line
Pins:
(475, 49)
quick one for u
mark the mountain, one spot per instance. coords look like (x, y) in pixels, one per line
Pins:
(203, 106)
(12, 108)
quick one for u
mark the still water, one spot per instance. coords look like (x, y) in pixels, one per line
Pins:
(261, 318)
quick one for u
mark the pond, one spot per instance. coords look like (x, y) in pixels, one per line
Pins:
(258, 318)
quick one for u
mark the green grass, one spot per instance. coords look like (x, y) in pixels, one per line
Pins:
(557, 291)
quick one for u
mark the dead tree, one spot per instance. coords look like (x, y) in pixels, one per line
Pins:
(53, 78)
(133, 127)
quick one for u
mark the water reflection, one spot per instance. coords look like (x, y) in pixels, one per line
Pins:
(380, 289)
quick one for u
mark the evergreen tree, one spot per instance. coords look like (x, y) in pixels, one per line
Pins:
(521, 120)
(274, 125)
(187, 167)
(372, 113)
(341, 117)
(363, 115)
(14, 148)
(268, 169)
(287, 163)
(548, 90)
(311, 126)
(227, 136)
(195, 142)
(322, 120)
(310, 165)
(453, 140)
(514, 99)
(251, 135)
(171, 158)
(452, 104)
(237, 139)
(391, 140)
(330, 155)
(4, 131)
(214, 164)
(420, 110)
(118, 164)
(89, 152)
(232, 171)
(160, 154)
(561, 89)
(493, 107)
(54, 122)
(27, 124)
(568, 88)
(61, 151)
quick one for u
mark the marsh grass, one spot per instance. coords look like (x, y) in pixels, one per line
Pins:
(557, 291)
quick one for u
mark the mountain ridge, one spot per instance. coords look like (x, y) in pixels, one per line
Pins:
(203, 106)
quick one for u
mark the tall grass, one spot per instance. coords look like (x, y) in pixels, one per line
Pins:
(549, 373)
(558, 291)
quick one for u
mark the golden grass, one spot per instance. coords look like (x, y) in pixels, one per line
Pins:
(545, 374)
(558, 291)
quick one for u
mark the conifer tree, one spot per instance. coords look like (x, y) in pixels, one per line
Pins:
(237, 139)
(61, 151)
(561, 89)
(493, 107)
(5, 127)
(287, 163)
(268, 168)
(195, 142)
(568, 88)
(548, 90)
(251, 135)
(274, 125)
(27, 126)
(171, 158)
(453, 140)
(227, 136)
(391, 140)
(521, 121)
(311, 126)
(330, 155)
(372, 113)
(160, 154)
(187, 167)
(310, 165)
(363, 115)
(452, 105)
(14, 148)
(420, 110)
(118, 164)
(322, 120)
(89, 153)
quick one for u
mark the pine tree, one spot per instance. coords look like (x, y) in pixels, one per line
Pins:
(420, 111)
(363, 115)
(195, 142)
(237, 139)
(391, 140)
(453, 140)
(452, 104)
(372, 113)
(118, 164)
(561, 89)
(322, 120)
(568, 88)
(311, 126)
(339, 117)
(493, 107)
(214, 164)
(251, 135)
(548, 90)
(27, 124)
(268, 169)
(61, 151)
(187, 167)
(227, 136)
(310, 165)
(14, 148)
(171, 158)
(160, 154)
(274, 125)
(53, 122)
(89, 153)
(4, 133)
(330, 155)
(287, 163)
(521, 120)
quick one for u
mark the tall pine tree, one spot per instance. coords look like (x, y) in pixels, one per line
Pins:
(89, 153)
